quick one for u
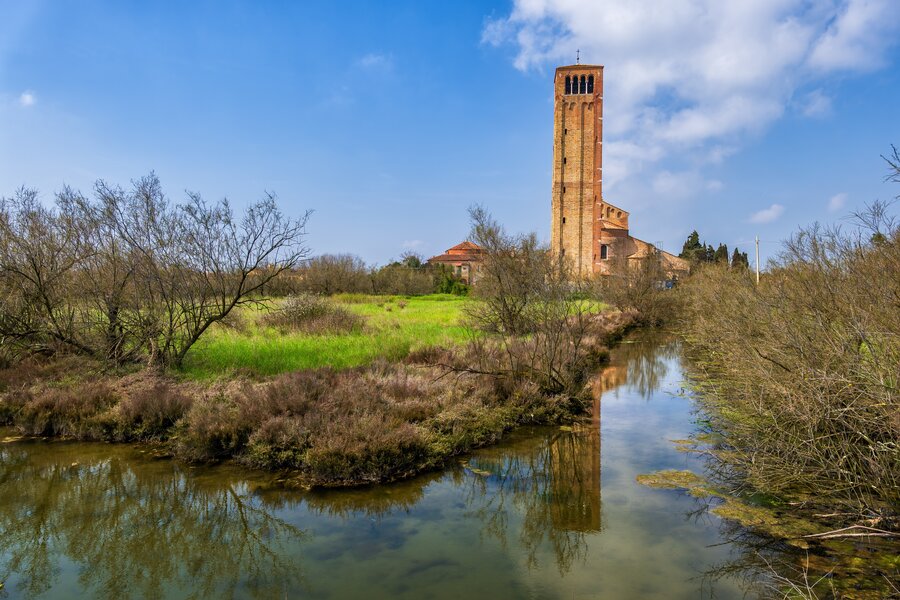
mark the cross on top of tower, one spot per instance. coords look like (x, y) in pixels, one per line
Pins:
(578, 57)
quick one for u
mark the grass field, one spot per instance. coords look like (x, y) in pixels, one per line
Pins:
(393, 327)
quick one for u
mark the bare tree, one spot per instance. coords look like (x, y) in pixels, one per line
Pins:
(333, 274)
(195, 262)
(129, 274)
(40, 252)
(536, 311)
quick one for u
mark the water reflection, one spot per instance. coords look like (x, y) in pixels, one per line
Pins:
(525, 518)
(118, 527)
(644, 361)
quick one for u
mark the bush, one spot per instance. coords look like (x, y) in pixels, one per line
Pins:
(640, 289)
(280, 442)
(313, 314)
(402, 280)
(803, 367)
(334, 274)
(150, 411)
(69, 412)
(215, 427)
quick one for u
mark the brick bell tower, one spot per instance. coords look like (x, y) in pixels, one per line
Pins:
(577, 165)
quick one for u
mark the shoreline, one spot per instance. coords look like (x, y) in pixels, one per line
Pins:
(311, 426)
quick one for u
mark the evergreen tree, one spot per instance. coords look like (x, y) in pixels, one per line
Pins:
(739, 260)
(721, 255)
(692, 249)
(710, 254)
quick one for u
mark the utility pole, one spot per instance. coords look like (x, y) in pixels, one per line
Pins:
(757, 260)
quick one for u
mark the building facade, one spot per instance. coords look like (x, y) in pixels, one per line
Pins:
(462, 259)
(592, 234)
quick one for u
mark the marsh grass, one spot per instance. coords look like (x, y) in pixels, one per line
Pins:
(325, 427)
(259, 347)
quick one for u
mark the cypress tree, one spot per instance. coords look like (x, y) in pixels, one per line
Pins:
(721, 255)
(692, 249)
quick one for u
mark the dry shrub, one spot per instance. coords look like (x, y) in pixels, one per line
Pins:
(72, 412)
(314, 315)
(234, 321)
(280, 442)
(152, 409)
(291, 394)
(432, 355)
(23, 373)
(215, 426)
(802, 370)
(640, 289)
(371, 449)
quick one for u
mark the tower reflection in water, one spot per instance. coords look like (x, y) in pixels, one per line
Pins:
(551, 482)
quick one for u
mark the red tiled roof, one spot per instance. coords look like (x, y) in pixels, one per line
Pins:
(464, 252)
(467, 245)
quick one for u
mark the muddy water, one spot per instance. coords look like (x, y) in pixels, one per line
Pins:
(550, 513)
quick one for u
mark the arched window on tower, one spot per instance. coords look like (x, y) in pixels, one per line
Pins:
(583, 87)
(568, 84)
(590, 89)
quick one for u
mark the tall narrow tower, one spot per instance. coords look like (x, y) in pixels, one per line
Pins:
(577, 165)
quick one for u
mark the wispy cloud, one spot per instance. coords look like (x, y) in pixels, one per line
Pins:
(767, 215)
(693, 78)
(684, 184)
(816, 105)
(412, 244)
(837, 202)
(27, 98)
(375, 61)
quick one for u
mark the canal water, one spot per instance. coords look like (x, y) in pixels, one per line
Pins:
(549, 513)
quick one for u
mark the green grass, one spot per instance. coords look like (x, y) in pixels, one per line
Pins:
(390, 332)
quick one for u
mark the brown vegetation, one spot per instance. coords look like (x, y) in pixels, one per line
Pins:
(639, 287)
(376, 423)
(329, 274)
(314, 315)
(537, 316)
(802, 369)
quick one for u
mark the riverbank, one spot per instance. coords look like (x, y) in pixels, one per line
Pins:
(383, 421)
(546, 512)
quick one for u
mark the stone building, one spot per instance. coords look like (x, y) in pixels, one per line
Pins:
(463, 259)
(592, 233)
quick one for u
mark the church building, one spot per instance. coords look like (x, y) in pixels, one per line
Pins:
(592, 233)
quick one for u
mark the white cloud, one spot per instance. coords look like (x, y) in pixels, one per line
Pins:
(693, 78)
(27, 99)
(837, 202)
(816, 105)
(857, 38)
(767, 215)
(376, 62)
(683, 184)
(412, 244)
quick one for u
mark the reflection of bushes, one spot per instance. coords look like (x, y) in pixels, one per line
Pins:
(96, 513)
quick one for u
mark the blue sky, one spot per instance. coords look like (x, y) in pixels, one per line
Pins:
(745, 118)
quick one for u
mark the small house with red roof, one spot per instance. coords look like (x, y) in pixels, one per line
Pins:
(463, 259)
